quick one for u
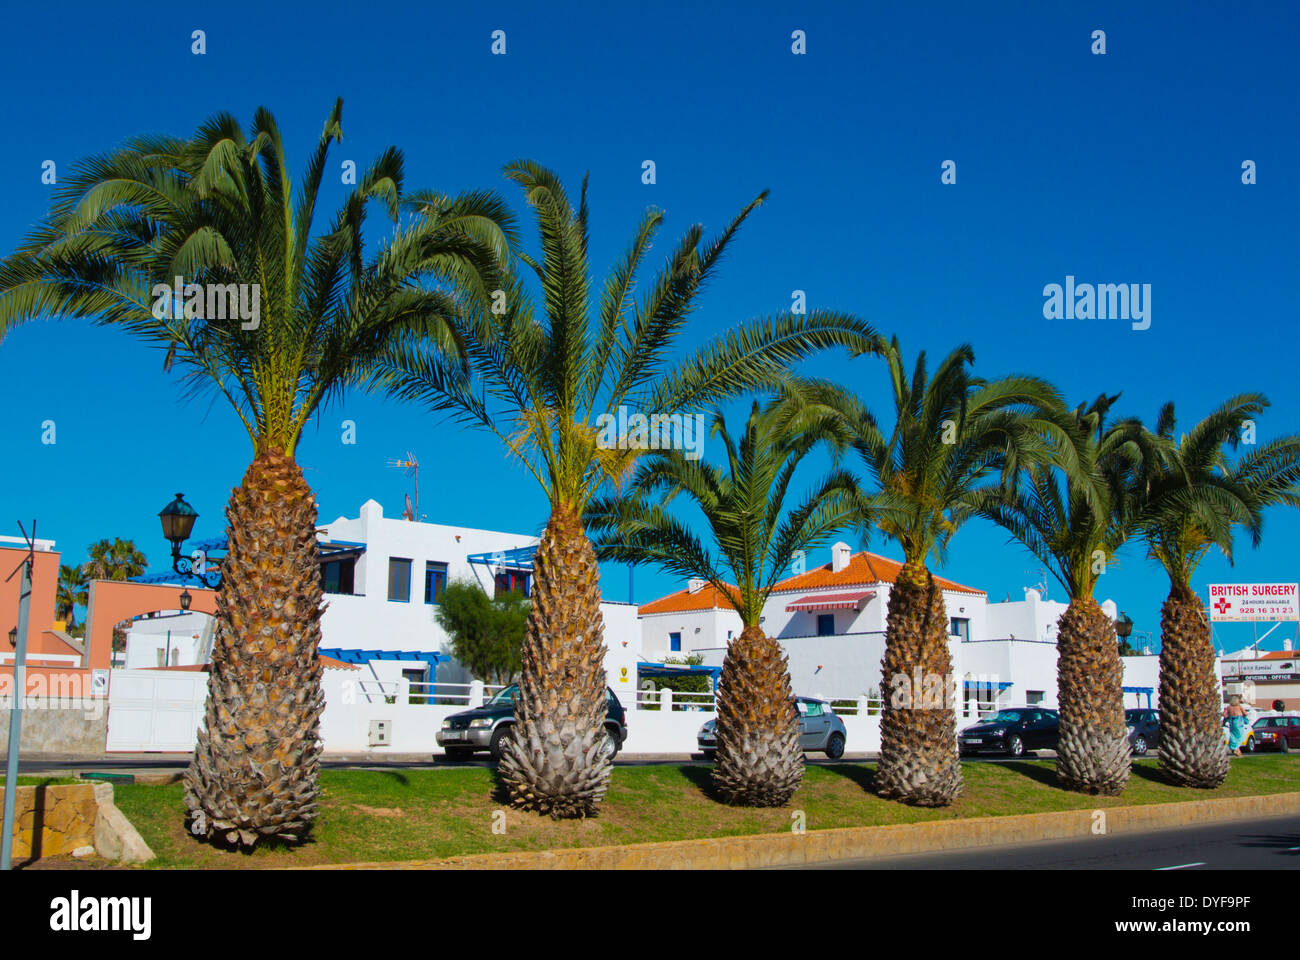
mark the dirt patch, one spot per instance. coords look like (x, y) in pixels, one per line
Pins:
(379, 811)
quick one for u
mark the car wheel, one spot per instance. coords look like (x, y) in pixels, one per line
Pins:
(1015, 745)
(459, 753)
(1139, 746)
(497, 746)
(835, 746)
(611, 743)
(1248, 746)
(710, 755)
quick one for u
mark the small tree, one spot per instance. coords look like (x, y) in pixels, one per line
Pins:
(486, 634)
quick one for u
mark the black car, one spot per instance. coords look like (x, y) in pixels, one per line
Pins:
(1143, 729)
(484, 728)
(1012, 730)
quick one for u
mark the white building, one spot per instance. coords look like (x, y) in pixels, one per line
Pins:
(830, 621)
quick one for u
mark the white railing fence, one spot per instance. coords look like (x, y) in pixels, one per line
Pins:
(415, 693)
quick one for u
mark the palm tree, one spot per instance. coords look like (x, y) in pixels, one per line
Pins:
(219, 210)
(759, 762)
(551, 387)
(115, 559)
(952, 434)
(1195, 499)
(72, 592)
(1074, 514)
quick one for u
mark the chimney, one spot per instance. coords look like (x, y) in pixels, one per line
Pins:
(695, 585)
(1286, 644)
(840, 554)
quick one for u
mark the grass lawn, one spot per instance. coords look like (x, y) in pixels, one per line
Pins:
(377, 815)
(40, 781)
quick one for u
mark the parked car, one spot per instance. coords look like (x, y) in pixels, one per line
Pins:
(1143, 729)
(820, 730)
(484, 728)
(1012, 730)
(1280, 733)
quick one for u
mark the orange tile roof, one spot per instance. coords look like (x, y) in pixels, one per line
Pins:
(707, 597)
(1279, 655)
(863, 568)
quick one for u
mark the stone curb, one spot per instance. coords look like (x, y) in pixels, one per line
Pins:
(852, 843)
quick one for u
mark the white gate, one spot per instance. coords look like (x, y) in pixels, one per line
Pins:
(155, 710)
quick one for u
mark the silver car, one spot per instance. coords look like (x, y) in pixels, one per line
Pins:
(820, 730)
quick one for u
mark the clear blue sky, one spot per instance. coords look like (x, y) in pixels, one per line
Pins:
(1117, 168)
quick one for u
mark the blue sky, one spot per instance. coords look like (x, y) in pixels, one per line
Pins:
(1117, 168)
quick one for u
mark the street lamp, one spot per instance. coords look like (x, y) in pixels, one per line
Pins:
(178, 523)
(185, 600)
(1124, 625)
(13, 636)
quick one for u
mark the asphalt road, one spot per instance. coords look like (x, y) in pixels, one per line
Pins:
(1270, 844)
(161, 762)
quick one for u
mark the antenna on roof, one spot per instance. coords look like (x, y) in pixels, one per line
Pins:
(411, 467)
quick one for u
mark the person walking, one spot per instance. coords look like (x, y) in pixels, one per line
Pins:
(1235, 715)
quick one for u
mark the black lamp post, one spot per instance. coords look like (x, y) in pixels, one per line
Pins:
(178, 523)
(13, 636)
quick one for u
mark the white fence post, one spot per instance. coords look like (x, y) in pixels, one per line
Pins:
(666, 700)
(476, 693)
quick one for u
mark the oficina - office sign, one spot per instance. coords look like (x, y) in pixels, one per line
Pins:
(1254, 602)
(1288, 669)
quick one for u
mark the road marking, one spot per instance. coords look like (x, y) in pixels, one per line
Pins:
(1199, 863)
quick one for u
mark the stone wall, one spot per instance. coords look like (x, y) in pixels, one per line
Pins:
(53, 820)
(59, 726)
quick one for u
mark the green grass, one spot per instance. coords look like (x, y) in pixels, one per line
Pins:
(41, 781)
(383, 815)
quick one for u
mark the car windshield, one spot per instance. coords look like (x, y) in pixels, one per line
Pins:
(505, 696)
(1003, 716)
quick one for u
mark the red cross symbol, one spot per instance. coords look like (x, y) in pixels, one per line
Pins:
(1222, 604)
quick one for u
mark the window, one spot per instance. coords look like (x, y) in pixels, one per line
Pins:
(960, 627)
(814, 709)
(399, 579)
(435, 580)
(825, 624)
(338, 576)
(674, 641)
(508, 581)
(1033, 696)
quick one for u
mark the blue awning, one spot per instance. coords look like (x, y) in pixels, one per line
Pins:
(520, 558)
(431, 657)
(988, 684)
(1147, 690)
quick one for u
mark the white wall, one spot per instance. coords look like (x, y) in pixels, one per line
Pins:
(147, 641)
(700, 630)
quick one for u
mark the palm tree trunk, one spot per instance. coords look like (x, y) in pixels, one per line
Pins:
(256, 768)
(1093, 754)
(1192, 751)
(555, 762)
(919, 763)
(759, 763)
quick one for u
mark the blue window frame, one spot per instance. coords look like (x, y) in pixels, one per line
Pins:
(510, 581)
(960, 627)
(435, 580)
(825, 624)
(675, 641)
(399, 579)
